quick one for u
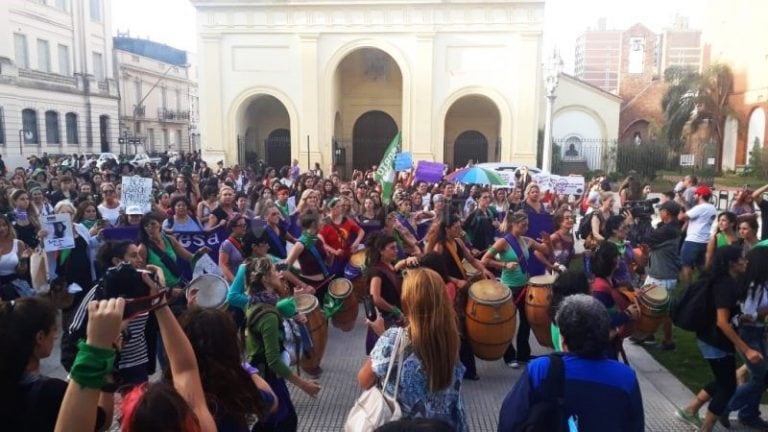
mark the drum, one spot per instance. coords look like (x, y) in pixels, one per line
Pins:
(468, 269)
(537, 300)
(653, 301)
(210, 291)
(318, 331)
(341, 290)
(354, 272)
(490, 319)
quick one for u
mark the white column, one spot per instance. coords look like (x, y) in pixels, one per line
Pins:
(215, 143)
(546, 158)
(319, 148)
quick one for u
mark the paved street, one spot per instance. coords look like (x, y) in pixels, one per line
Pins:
(662, 392)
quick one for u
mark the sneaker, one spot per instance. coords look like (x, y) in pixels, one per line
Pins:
(514, 364)
(757, 423)
(668, 346)
(691, 419)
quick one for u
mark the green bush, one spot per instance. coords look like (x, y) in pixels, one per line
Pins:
(758, 160)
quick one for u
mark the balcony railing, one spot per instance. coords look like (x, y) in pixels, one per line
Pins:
(172, 115)
(139, 111)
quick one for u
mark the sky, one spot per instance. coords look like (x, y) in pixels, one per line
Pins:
(173, 21)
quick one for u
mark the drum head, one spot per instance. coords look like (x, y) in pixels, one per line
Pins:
(489, 291)
(358, 259)
(211, 290)
(471, 271)
(542, 280)
(306, 303)
(340, 288)
(655, 294)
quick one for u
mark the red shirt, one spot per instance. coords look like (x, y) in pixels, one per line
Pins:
(340, 236)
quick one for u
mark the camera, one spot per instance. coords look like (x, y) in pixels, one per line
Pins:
(641, 208)
(123, 281)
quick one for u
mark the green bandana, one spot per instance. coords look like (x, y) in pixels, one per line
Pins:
(308, 239)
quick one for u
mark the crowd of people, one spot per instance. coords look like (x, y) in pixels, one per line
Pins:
(125, 309)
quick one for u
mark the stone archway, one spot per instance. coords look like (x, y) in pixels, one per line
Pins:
(263, 127)
(367, 106)
(472, 130)
(470, 145)
(372, 133)
(756, 129)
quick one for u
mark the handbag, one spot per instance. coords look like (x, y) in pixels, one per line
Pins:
(375, 407)
(38, 263)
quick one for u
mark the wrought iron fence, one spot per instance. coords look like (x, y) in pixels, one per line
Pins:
(574, 155)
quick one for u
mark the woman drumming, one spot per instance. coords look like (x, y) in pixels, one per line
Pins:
(562, 242)
(341, 235)
(616, 229)
(384, 282)
(510, 255)
(724, 236)
(446, 239)
(264, 338)
(311, 254)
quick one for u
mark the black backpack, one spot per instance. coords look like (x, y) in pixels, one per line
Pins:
(547, 414)
(693, 310)
(585, 225)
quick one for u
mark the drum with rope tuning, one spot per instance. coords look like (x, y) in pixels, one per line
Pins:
(490, 319)
(344, 319)
(317, 326)
(537, 299)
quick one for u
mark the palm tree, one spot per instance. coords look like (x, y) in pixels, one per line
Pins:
(693, 100)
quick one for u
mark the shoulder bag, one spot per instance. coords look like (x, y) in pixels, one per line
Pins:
(375, 407)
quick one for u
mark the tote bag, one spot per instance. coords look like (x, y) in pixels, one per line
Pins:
(374, 407)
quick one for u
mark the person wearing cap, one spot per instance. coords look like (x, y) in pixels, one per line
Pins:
(132, 217)
(700, 218)
(664, 267)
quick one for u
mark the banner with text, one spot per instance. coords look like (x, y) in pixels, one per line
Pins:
(137, 191)
(565, 185)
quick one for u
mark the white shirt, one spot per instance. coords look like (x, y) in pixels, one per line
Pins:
(753, 303)
(701, 217)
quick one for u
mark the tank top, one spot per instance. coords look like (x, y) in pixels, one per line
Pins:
(9, 261)
(513, 278)
(171, 280)
(721, 240)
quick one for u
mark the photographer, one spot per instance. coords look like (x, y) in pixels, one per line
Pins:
(664, 266)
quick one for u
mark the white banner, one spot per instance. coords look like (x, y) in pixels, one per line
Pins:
(60, 236)
(561, 185)
(137, 191)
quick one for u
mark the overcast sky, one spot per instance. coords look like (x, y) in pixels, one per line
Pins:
(173, 21)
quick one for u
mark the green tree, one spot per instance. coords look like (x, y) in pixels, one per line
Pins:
(694, 99)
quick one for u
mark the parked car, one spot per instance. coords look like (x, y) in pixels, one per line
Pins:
(507, 170)
(142, 159)
(104, 158)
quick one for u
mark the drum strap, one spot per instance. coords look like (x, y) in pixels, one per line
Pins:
(391, 276)
(277, 241)
(515, 245)
(450, 245)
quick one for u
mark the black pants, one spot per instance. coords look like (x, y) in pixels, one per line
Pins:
(467, 357)
(724, 385)
(521, 350)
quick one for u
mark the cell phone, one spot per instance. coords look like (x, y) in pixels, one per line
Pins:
(370, 310)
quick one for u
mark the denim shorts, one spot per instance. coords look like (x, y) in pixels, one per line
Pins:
(692, 254)
(710, 352)
(668, 284)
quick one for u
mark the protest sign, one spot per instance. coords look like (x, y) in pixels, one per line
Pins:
(137, 191)
(403, 161)
(430, 172)
(566, 185)
(60, 236)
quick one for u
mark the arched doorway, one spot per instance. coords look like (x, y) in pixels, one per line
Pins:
(470, 145)
(278, 147)
(756, 129)
(637, 132)
(263, 132)
(367, 107)
(472, 130)
(371, 135)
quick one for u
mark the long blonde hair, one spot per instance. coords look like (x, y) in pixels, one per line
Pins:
(431, 326)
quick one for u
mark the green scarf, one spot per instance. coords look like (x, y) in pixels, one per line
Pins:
(88, 223)
(308, 239)
(283, 208)
(621, 246)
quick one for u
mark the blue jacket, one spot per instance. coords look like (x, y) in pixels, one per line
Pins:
(600, 395)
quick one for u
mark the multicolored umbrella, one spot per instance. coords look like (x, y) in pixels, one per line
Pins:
(477, 175)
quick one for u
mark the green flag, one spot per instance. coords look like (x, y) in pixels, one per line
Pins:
(385, 172)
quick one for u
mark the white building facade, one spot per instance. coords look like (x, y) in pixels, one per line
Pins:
(157, 97)
(333, 81)
(57, 87)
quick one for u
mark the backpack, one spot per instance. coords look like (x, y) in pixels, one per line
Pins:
(692, 311)
(547, 414)
(585, 225)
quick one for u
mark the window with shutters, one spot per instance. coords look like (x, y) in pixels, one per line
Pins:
(72, 136)
(20, 47)
(64, 60)
(52, 127)
(43, 56)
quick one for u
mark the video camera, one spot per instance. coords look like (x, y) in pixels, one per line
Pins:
(640, 209)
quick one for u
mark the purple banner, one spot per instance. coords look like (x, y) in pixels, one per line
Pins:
(191, 241)
(538, 223)
(430, 172)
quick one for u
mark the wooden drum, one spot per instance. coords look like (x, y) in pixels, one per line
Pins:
(653, 301)
(490, 319)
(344, 319)
(537, 301)
(354, 272)
(318, 331)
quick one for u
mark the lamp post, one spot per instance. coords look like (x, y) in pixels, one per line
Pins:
(552, 68)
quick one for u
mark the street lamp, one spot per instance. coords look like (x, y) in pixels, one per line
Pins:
(553, 66)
